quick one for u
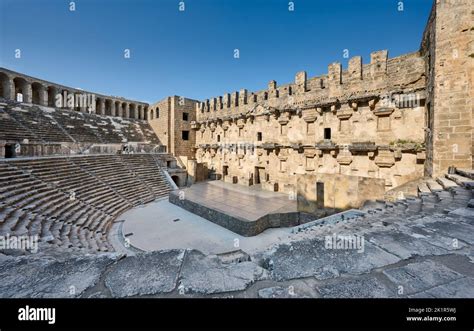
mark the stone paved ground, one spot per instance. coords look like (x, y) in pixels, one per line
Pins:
(415, 248)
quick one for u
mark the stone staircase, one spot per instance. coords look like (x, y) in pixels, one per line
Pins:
(450, 195)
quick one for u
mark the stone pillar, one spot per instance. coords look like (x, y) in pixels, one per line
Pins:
(112, 108)
(355, 68)
(127, 111)
(70, 107)
(101, 109)
(227, 100)
(9, 89)
(378, 63)
(300, 82)
(272, 89)
(43, 96)
(27, 93)
(118, 109)
(243, 97)
(141, 112)
(52, 95)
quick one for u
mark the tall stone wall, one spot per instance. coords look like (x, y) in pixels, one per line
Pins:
(448, 46)
(365, 121)
(159, 117)
(167, 119)
(180, 107)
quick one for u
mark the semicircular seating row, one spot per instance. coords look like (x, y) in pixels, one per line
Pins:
(71, 202)
(46, 124)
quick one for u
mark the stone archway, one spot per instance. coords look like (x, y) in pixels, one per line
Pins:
(108, 107)
(52, 93)
(132, 111)
(5, 86)
(22, 90)
(37, 94)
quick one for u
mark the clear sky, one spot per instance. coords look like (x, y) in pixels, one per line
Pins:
(191, 52)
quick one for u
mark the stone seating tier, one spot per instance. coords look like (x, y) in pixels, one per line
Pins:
(72, 202)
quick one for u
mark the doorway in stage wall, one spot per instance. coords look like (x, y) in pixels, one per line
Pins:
(259, 175)
(225, 171)
(320, 194)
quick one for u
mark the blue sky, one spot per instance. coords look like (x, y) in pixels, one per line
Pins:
(191, 53)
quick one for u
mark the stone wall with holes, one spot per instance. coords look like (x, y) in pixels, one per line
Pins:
(184, 113)
(448, 46)
(168, 119)
(365, 121)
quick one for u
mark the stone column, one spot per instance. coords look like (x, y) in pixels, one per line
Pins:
(112, 108)
(9, 89)
(127, 111)
(43, 96)
(27, 93)
(119, 110)
(66, 100)
(145, 112)
(52, 96)
(101, 109)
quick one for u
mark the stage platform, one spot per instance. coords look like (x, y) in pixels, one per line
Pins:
(244, 210)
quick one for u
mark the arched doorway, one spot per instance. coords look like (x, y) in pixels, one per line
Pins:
(132, 111)
(22, 93)
(36, 93)
(98, 106)
(4, 86)
(108, 107)
(52, 96)
(175, 180)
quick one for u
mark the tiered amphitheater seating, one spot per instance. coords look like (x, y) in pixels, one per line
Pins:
(439, 196)
(444, 202)
(12, 130)
(71, 202)
(78, 126)
(47, 124)
(111, 170)
(34, 207)
(41, 123)
(144, 167)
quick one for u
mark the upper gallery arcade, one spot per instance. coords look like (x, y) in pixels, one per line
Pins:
(20, 87)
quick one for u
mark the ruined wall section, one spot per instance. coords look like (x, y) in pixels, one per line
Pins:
(427, 49)
(347, 122)
(448, 44)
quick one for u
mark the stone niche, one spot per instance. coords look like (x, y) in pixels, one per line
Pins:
(383, 118)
